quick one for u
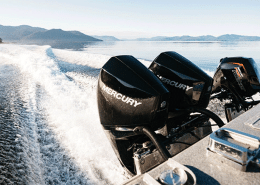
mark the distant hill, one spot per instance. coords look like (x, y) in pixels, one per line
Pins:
(227, 37)
(56, 38)
(106, 38)
(59, 35)
(30, 34)
(237, 38)
(15, 33)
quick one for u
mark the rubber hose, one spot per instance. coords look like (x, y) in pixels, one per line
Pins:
(208, 113)
(156, 141)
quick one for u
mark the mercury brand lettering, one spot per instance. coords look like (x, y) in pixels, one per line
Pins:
(121, 97)
(173, 83)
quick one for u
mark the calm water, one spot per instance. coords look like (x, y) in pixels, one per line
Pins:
(204, 54)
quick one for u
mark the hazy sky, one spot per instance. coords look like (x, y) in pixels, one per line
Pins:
(137, 18)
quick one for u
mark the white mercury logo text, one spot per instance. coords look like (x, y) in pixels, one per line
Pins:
(121, 97)
(173, 83)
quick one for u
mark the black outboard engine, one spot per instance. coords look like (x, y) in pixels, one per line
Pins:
(236, 79)
(129, 95)
(190, 89)
(133, 108)
(189, 85)
(130, 98)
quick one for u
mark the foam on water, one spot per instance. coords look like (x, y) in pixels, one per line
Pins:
(71, 107)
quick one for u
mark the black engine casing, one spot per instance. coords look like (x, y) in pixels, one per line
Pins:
(129, 95)
(239, 74)
(187, 83)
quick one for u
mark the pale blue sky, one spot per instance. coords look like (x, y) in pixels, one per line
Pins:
(137, 18)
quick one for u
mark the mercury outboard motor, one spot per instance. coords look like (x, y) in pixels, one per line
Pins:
(236, 79)
(188, 84)
(129, 95)
(190, 87)
(131, 102)
(133, 108)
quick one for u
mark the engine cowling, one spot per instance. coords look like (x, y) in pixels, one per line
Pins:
(129, 95)
(238, 74)
(187, 83)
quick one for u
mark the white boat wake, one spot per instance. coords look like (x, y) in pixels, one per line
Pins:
(51, 116)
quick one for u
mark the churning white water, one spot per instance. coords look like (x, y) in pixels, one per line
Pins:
(50, 119)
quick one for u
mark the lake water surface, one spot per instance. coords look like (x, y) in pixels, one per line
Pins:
(204, 54)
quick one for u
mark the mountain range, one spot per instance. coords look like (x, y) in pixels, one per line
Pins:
(35, 35)
(26, 33)
(226, 37)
